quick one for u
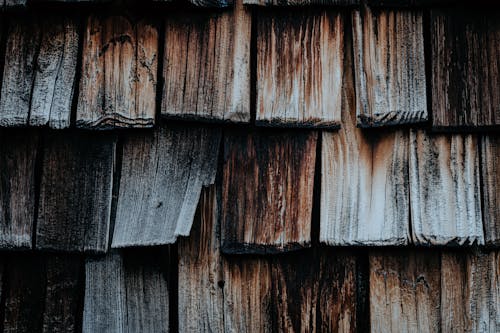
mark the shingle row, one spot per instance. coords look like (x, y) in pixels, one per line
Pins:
(442, 71)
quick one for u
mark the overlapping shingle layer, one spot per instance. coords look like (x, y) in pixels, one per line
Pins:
(256, 166)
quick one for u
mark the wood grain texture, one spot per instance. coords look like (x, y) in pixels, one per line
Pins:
(162, 175)
(119, 73)
(405, 291)
(364, 180)
(24, 282)
(200, 270)
(39, 75)
(75, 192)
(300, 2)
(206, 67)
(42, 292)
(299, 68)
(490, 168)
(18, 153)
(445, 189)
(126, 293)
(23, 40)
(267, 191)
(247, 295)
(470, 287)
(55, 80)
(389, 66)
(314, 292)
(62, 293)
(465, 68)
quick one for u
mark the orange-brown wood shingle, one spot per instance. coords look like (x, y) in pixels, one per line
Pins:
(267, 191)
(118, 81)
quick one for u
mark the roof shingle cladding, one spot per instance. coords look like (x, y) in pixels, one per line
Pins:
(385, 119)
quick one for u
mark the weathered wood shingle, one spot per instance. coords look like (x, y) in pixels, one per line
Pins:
(247, 295)
(490, 169)
(18, 154)
(389, 66)
(39, 74)
(299, 68)
(118, 83)
(200, 270)
(75, 193)
(470, 292)
(465, 68)
(445, 189)
(162, 175)
(405, 291)
(267, 191)
(364, 181)
(315, 292)
(127, 293)
(206, 66)
(43, 293)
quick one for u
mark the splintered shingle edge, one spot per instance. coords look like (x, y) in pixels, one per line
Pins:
(161, 181)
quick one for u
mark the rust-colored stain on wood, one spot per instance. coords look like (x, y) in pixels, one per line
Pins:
(267, 191)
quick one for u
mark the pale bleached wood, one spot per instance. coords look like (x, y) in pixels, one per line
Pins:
(39, 75)
(247, 295)
(470, 287)
(389, 66)
(465, 47)
(405, 291)
(206, 67)
(54, 82)
(364, 180)
(490, 167)
(162, 175)
(200, 270)
(118, 84)
(276, 214)
(445, 196)
(75, 193)
(299, 68)
(126, 293)
(18, 153)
